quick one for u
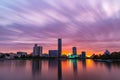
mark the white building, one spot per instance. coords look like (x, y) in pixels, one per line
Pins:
(37, 50)
(10, 56)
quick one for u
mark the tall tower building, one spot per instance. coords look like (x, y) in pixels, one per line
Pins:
(74, 49)
(59, 47)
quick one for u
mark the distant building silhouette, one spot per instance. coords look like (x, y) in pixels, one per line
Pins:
(106, 52)
(59, 47)
(74, 49)
(37, 50)
(83, 55)
(21, 54)
(40, 50)
(53, 53)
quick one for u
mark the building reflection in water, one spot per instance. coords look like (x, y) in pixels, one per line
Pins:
(56, 65)
(52, 70)
(75, 66)
(59, 70)
(108, 66)
(36, 67)
(84, 64)
(20, 63)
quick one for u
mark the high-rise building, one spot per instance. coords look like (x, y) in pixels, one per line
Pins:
(83, 55)
(37, 50)
(40, 49)
(59, 47)
(74, 49)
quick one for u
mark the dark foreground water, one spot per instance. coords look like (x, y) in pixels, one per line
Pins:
(58, 70)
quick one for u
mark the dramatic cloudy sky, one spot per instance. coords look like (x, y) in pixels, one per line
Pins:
(90, 25)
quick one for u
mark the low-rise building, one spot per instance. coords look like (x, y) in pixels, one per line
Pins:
(53, 53)
(21, 54)
(45, 55)
(10, 56)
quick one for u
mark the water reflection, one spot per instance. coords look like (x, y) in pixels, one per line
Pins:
(108, 65)
(56, 65)
(84, 64)
(19, 63)
(75, 66)
(36, 67)
(58, 70)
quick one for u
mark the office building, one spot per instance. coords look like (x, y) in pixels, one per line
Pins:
(74, 50)
(59, 47)
(37, 50)
(40, 50)
(53, 53)
(83, 55)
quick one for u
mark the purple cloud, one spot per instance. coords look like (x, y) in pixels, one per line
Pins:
(90, 25)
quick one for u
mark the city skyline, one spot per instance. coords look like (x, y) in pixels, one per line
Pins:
(37, 50)
(89, 25)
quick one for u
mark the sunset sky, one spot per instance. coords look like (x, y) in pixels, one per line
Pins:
(90, 25)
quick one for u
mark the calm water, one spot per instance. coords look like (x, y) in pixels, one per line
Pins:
(58, 70)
